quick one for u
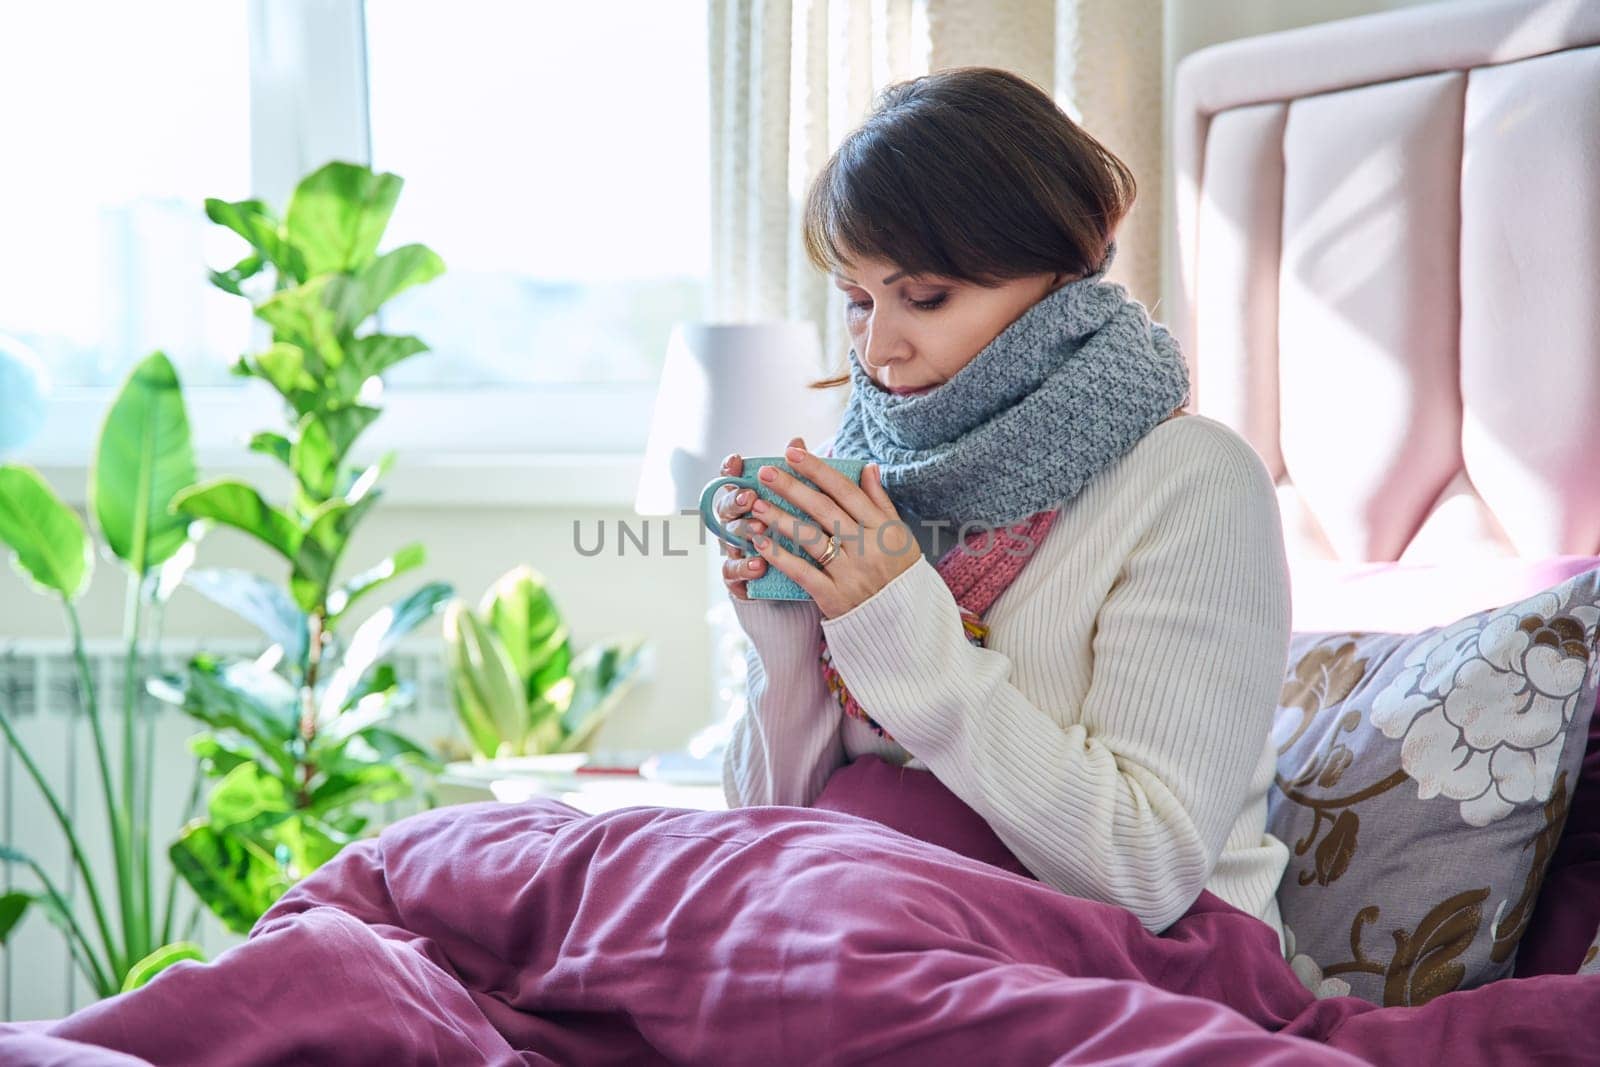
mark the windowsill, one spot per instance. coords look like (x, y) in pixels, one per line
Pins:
(507, 480)
(486, 447)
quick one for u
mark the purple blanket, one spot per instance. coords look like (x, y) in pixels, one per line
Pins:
(533, 934)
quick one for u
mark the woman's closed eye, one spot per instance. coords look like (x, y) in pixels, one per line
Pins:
(923, 305)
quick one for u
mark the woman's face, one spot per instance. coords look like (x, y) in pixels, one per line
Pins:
(914, 333)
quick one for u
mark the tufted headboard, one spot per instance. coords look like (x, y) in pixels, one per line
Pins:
(1388, 274)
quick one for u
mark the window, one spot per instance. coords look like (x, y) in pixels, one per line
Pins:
(555, 155)
(119, 120)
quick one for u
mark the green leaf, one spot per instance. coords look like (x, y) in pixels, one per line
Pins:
(241, 696)
(234, 503)
(159, 960)
(47, 538)
(393, 747)
(544, 736)
(381, 680)
(344, 424)
(389, 274)
(272, 444)
(13, 906)
(254, 221)
(247, 797)
(373, 578)
(323, 441)
(480, 664)
(604, 673)
(346, 823)
(230, 280)
(257, 601)
(231, 874)
(322, 545)
(358, 484)
(144, 459)
(338, 213)
(306, 843)
(377, 352)
(372, 783)
(301, 317)
(287, 368)
(523, 615)
(347, 724)
(470, 709)
(217, 757)
(161, 583)
(375, 638)
(312, 459)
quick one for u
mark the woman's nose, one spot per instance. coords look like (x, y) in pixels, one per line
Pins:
(880, 347)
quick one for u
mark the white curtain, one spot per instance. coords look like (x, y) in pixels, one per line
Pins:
(789, 78)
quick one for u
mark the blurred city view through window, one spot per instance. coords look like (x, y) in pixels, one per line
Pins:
(555, 156)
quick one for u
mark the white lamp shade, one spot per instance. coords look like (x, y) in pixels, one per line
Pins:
(731, 387)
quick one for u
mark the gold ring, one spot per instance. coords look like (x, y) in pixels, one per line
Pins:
(833, 550)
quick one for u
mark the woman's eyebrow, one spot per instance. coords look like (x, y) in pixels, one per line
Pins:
(886, 281)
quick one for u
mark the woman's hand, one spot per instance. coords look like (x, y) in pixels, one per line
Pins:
(732, 504)
(875, 544)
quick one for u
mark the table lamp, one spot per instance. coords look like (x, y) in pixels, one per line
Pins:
(726, 387)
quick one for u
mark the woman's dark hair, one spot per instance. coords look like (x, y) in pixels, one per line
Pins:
(970, 173)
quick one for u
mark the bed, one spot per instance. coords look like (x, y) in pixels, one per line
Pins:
(1386, 237)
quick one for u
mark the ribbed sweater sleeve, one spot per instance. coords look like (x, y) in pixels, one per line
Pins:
(1133, 801)
(787, 743)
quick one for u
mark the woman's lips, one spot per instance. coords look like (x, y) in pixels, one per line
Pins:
(909, 390)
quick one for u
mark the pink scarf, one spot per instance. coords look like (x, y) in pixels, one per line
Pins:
(977, 574)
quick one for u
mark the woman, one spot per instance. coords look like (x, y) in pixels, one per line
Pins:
(1065, 602)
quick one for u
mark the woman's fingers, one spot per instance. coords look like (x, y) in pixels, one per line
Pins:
(746, 528)
(725, 503)
(806, 536)
(736, 503)
(805, 574)
(741, 570)
(737, 570)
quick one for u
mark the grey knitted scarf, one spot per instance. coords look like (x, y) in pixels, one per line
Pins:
(1068, 387)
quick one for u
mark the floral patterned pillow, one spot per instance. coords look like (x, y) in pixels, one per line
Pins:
(1422, 784)
(1591, 958)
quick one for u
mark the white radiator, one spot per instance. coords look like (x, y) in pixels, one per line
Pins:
(39, 689)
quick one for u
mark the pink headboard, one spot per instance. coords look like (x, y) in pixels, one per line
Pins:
(1388, 242)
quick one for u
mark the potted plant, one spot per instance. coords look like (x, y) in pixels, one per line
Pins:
(527, 703)
(299, 749)
(143, 458)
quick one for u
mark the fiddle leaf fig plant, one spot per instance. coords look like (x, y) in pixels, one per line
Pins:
(518, 688)
(298, 746)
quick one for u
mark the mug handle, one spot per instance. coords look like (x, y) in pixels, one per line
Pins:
(708, 513)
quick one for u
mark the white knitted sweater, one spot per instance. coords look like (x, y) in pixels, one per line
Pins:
(1115, 732)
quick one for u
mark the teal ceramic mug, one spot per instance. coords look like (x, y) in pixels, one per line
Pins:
(773, 584)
